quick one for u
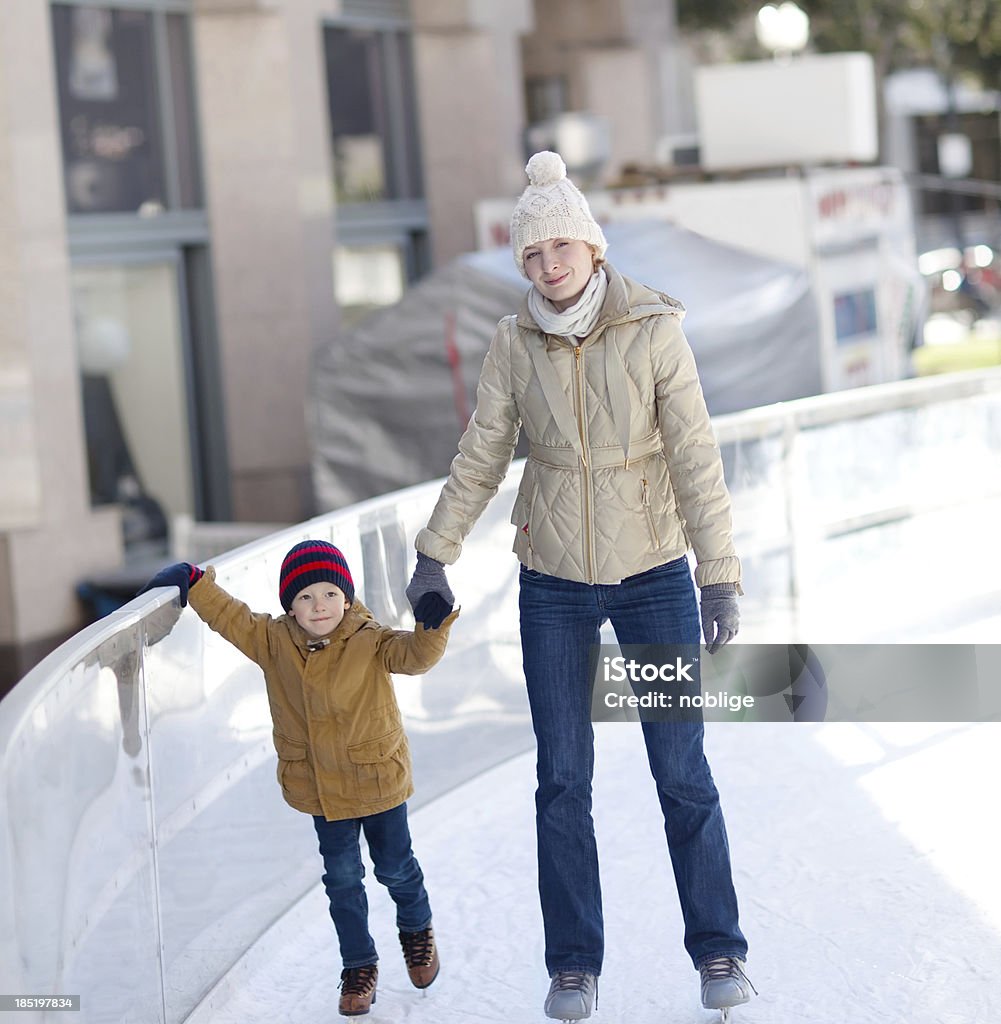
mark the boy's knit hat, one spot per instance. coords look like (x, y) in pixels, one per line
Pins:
(313, 561)
(551, 207)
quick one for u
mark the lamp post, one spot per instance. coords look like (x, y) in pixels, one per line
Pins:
(783, 29)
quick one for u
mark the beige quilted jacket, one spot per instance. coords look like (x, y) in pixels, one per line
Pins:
(623, 472)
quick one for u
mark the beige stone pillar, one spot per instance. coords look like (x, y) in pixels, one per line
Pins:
(263, 125)
(471, 110)
(49, 536)
(617, 85)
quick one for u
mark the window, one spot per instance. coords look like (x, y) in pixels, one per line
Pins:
(382, 223)
(367, 277)
(126, 112)
(982, 131)
(131, 346)
(373, 116)
(545, 97)
(854, 315)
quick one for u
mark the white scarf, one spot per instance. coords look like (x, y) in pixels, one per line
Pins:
(576, 322)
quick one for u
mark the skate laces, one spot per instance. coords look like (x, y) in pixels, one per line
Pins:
(357, 981)
(418, 947)
(570, 981)
(723, 968)
(575, 981)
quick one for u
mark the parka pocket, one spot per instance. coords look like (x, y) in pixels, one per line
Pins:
(381, 766)
(295, 775)
(519, 514)
(648, 512)
(289, 750)
(524, 506)
(522, 518)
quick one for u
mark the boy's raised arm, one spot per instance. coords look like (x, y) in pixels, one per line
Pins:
(226, 615)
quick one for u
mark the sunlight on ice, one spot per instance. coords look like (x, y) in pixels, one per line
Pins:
(913, 781)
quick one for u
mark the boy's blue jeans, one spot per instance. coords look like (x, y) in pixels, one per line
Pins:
(388, 836)
(560, 621)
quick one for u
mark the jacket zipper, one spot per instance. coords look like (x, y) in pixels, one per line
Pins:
(589, 555)
(532, 499)
(649, 515)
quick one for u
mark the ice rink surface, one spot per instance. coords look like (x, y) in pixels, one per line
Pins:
(862, 856)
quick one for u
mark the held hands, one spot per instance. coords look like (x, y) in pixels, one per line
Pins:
(720, 615)
(182, 575)
(428, 592)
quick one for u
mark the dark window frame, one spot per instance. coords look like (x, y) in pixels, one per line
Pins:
(404, 220)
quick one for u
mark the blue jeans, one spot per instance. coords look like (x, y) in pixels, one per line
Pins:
(560, 621)
(388, 836)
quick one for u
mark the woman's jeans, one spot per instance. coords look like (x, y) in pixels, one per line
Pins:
(560, 622)
(388, 836)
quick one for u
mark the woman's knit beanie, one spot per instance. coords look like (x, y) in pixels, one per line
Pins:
(551, 207)
(313, 561)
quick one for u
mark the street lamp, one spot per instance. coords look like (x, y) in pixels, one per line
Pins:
(784, 29)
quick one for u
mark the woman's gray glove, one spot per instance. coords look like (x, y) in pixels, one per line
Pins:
(429, 593)
(720, 615)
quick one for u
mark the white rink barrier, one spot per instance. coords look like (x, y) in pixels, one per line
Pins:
(145, 845)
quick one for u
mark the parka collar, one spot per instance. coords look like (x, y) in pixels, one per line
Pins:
(355, 618)
(625, 300)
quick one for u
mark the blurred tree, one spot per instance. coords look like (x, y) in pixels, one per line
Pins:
(898, 33)
(694, 15)
(958, 37)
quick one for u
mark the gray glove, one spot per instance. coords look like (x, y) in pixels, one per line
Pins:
(429, 593)
(720, 615)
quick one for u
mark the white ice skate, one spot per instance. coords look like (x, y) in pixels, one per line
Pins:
(725, 985)
(571, 996)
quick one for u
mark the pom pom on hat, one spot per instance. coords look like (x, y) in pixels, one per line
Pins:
(313, 561)
(545, 168)
(551, 207)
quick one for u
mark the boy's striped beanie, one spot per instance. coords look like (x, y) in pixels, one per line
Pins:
(313, 561)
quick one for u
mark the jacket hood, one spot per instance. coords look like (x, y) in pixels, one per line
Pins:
(355, 618)
(625, 300)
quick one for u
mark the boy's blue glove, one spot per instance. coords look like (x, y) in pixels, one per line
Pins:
(429, 593)
(720, 615)
(432, 610)
(182, 575)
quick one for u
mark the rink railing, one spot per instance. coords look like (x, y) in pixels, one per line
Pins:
(145, 846)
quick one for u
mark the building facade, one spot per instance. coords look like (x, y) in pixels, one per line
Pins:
(195, 194)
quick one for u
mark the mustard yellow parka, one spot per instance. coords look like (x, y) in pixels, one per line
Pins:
(342, 751)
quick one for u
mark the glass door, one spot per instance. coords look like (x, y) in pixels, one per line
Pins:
(132, 345)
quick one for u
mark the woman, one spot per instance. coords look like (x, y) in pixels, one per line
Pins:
(623, 476)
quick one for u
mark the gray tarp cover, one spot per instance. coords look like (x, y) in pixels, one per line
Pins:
(391, 396)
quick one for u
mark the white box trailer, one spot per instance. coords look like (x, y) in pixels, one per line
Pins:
(851, 228)
(813, 109)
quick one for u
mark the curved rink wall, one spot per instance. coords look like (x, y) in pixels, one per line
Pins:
(145, 845)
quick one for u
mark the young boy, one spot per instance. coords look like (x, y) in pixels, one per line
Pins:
(342, 753)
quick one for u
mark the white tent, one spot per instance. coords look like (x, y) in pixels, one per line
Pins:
(392, 395)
